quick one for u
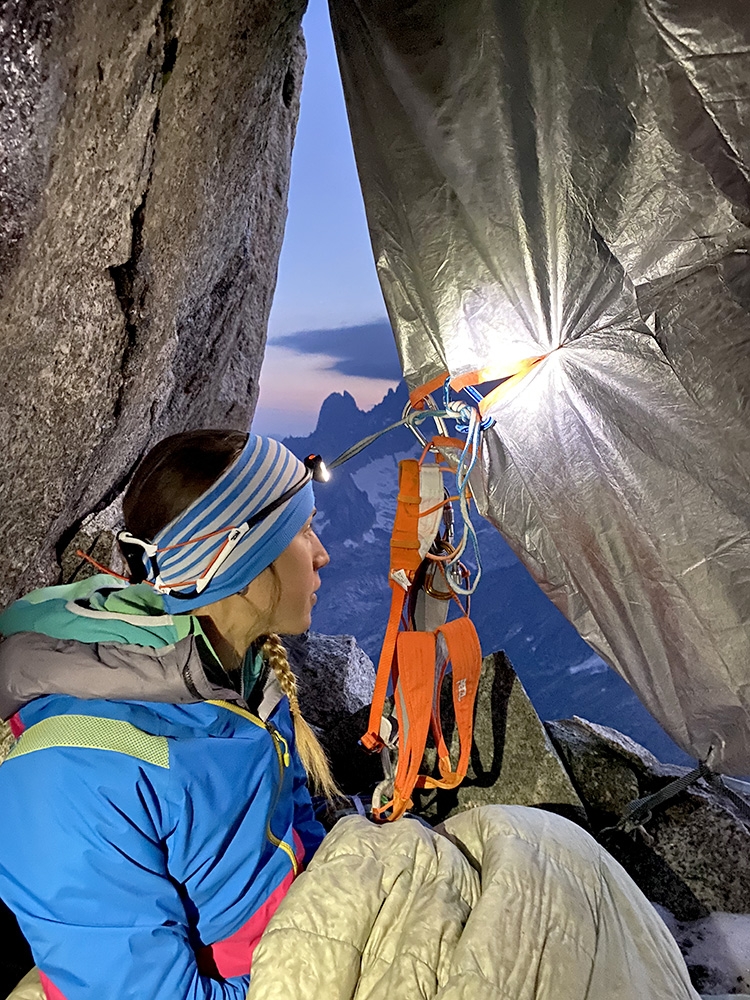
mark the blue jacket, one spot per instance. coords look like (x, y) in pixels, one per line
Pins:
(145, 840)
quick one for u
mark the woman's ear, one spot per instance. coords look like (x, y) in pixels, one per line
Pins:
(260, 595)
(275, 585)
(254, 586)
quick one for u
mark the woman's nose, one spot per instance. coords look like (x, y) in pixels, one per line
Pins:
(321, 557)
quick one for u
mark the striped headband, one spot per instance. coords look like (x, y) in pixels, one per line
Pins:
(233, 531)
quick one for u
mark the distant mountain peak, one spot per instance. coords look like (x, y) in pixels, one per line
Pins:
(341, 424)
(336, 406)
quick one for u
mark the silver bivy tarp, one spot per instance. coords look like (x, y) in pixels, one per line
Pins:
(558, 190)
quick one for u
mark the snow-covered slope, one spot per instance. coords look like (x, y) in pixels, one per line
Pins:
(716, 950)
(562, 674)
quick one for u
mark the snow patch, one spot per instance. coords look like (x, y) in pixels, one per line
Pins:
(591, 665)
(379, 480)
(716, 950)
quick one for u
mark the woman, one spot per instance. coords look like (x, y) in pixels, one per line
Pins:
(156, 807)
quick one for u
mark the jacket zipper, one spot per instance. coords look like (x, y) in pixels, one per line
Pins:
(284, 760)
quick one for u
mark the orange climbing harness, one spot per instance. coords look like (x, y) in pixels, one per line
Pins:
(416, 659)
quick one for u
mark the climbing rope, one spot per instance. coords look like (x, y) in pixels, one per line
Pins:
(412, 419)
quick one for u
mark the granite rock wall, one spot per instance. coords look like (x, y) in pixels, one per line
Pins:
(144, 166)
(692, 853)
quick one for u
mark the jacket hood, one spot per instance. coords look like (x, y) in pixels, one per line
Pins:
(98, 609)
(101, 639)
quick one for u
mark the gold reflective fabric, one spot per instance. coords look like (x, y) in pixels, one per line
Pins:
(93, 733)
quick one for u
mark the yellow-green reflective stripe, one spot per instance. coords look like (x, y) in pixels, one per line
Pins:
(93, 733)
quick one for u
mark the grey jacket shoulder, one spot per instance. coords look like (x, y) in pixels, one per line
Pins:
(33, 665)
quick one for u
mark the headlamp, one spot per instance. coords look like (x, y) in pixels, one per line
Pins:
(317, 467)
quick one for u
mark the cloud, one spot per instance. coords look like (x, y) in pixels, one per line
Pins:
(293, 386)
(364, 351)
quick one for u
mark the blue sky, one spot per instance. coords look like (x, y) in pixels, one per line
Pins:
(328, 330)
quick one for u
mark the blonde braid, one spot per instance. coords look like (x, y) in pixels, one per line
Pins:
(311, 752)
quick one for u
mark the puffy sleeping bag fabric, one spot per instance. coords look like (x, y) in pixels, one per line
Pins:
(30, 988)
(508, 903)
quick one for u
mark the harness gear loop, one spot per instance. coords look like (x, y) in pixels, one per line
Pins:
(420, 643)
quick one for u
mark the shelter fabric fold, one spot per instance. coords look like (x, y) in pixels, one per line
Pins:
(571, 181)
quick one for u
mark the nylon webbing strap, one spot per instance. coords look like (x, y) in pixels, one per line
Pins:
(465, 654)
(417, 681)
(93, 733)
(409, 658)
(740, 802)
(638, 812)
(372, 740)
(413, 688)
(405, 535)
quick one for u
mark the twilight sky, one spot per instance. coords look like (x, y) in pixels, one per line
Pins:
(328, 329)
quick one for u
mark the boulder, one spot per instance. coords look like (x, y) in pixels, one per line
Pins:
(512, 758)
(336, 680)
(336, 677)
(97, 537)
(693, 855)
(146, 151)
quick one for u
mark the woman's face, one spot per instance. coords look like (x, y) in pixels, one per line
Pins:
(288, 590)
(281, 599)
(297, 576)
